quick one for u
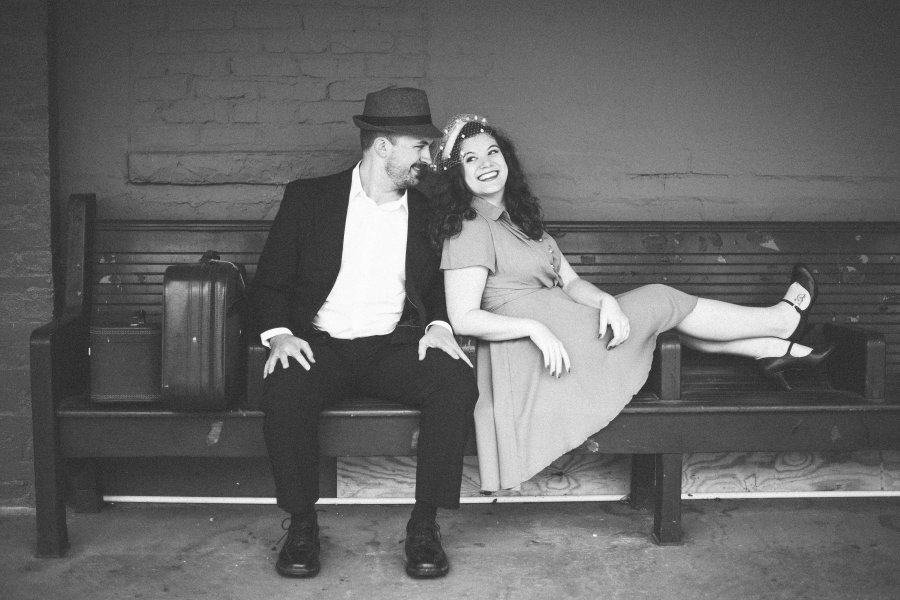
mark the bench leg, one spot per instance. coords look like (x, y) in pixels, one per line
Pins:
(87, 494)
(328, 476)
(52, 535)
(49, 497)
(667, 517)
(643, 481)
(50, 512)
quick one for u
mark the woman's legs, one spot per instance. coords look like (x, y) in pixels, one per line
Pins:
(724, 328)
(716, 321)
(761, 347)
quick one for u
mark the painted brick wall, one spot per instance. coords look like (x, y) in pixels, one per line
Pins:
(26, 294)
(621, 110)
(688, 109)
(207, 108)
(258, 93)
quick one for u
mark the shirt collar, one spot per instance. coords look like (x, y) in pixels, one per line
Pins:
(357, 191)
(486, 209)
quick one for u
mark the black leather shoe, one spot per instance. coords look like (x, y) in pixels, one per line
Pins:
(425, 557)
(299, 557)
(775, 367)
(802, 275)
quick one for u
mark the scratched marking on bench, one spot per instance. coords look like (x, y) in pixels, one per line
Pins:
(835, 434)
(215, 430)
(770, 244)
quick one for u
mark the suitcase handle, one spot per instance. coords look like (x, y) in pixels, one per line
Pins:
(211, 256)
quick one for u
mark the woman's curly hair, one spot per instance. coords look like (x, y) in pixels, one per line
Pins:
(452, 199)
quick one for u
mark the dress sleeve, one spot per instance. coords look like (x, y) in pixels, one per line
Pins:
(473, 247)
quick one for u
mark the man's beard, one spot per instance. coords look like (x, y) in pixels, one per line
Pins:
(405, 178)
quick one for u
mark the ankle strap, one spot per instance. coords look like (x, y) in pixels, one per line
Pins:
(791, 304)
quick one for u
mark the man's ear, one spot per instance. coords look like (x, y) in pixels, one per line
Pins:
(381, 146)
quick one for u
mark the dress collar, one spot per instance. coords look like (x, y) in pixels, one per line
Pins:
(486, 209)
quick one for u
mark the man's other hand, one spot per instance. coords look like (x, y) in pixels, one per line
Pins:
(441, 338)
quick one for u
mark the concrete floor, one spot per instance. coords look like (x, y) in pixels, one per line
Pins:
(735, 549)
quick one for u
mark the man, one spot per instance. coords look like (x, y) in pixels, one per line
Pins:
(350, 299)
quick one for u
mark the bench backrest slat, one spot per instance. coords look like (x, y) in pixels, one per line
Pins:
(857, 264)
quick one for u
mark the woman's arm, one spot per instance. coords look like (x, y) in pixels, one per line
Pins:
(586, 293)
(464, 288)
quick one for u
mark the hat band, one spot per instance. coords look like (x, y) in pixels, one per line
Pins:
(390, 121)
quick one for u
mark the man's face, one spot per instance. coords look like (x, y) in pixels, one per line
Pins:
(407, 160)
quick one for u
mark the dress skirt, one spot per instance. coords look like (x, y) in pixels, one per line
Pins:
(525, 418)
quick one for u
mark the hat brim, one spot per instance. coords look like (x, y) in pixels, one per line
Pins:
(424, 131)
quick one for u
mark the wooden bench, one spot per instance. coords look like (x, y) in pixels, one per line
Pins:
(693, 402)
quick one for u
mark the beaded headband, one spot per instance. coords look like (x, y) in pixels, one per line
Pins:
(443, 156)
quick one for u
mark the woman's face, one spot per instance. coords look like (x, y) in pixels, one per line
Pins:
(484, 168)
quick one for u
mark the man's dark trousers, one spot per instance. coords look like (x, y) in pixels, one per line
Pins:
(442, 388)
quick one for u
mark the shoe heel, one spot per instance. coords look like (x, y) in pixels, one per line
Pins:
(773, 368)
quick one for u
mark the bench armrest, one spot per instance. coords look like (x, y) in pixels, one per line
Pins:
(58, 353)
(665, 374)
(858, 362)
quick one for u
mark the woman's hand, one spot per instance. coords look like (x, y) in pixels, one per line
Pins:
(586, 293)
(555, 356)
(611, 316)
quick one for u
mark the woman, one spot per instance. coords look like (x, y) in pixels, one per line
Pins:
(563, 356)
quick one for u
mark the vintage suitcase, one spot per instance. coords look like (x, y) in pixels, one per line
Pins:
(203, 351)
(125, 361)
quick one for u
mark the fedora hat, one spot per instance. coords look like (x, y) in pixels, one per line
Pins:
(402, 110)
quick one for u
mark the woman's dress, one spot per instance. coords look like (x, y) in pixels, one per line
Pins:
(525, 418)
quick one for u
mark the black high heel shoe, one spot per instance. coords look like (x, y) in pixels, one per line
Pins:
(774, 367)
(802, 275)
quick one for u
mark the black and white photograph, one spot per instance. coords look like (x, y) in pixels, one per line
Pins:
(439, 299)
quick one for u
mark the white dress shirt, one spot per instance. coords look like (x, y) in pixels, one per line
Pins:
(370, 291)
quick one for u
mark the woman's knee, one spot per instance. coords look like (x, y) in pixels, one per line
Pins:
(658, 289)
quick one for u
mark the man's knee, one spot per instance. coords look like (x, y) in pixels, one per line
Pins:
(289, 391)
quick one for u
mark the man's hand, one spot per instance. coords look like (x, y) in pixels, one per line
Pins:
(441, 338)
(283, 346)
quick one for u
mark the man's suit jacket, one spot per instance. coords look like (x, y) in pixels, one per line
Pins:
(302, 257)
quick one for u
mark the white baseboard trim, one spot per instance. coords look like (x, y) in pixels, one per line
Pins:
(504, 499)
(27, 510)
